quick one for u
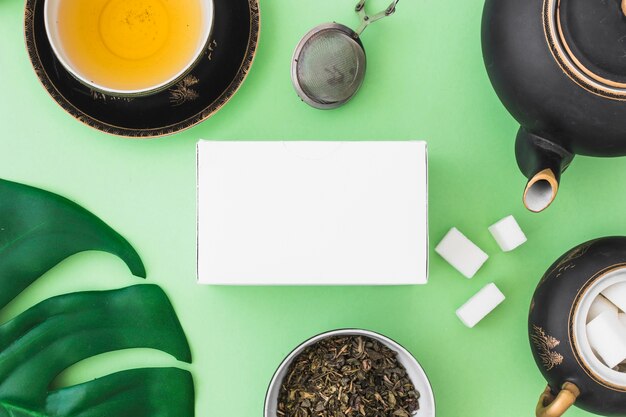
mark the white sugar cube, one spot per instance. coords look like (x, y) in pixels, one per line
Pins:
(599, 306)
(481, 304)
(607, 336)
(461, 253)
(508, 234)
(622, 319)
(617, 295)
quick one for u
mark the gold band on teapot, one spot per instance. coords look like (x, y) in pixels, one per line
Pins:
(569, 63)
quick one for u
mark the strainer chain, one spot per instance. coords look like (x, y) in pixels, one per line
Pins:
(367, 19)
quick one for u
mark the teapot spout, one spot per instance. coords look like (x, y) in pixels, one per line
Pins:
(541, 190)
(542, 162)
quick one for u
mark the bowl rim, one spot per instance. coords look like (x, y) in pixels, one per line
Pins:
(338, 332)
(206, 39)
(590, 362)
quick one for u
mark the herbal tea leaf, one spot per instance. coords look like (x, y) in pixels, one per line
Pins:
(347, 376)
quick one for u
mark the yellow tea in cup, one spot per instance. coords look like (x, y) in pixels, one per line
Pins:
(128, 46)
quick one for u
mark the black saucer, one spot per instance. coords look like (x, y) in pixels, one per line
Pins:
(209, 85)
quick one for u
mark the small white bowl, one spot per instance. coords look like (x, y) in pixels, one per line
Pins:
(51, 8)
(414, 370)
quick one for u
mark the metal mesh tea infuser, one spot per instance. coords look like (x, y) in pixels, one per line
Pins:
(328, 66)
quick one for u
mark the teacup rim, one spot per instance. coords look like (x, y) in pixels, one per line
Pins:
(206, 38)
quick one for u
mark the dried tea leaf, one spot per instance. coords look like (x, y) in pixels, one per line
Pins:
(392, 400)
(347, 376)
(400, 413)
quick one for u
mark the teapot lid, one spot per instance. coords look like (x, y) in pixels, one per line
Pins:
(590, 39)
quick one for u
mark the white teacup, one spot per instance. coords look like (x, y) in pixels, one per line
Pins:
(128, 47)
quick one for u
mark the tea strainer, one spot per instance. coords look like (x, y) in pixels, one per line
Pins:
(328, 66)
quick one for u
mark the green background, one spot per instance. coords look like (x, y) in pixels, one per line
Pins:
(425, 81)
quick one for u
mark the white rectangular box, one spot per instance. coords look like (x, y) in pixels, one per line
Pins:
(312, 213)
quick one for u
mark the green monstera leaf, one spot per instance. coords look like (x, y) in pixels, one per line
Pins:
(38, 230)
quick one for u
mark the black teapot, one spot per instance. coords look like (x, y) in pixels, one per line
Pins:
(559, 312)
(559, 67)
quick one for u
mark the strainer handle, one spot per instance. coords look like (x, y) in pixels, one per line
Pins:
(366, 19)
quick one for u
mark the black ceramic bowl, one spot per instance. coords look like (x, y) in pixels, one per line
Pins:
(557, 330)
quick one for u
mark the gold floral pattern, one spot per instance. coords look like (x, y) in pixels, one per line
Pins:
(567, 262)
(209, 50)
(545, 345)
(97, 95)
(182, 92)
